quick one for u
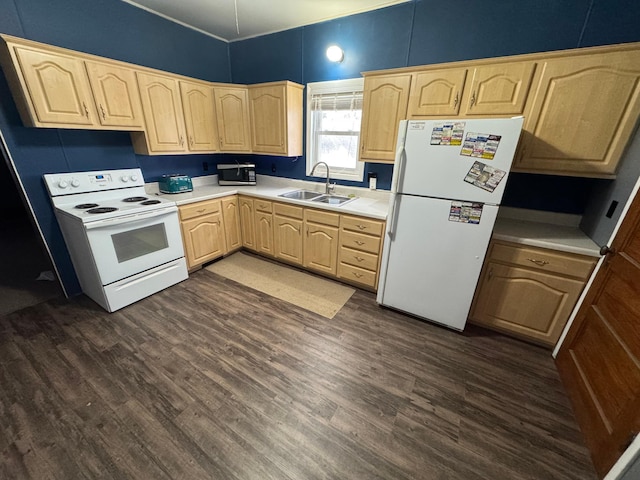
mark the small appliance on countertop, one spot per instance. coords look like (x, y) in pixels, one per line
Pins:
(236, 174)
(175, 183)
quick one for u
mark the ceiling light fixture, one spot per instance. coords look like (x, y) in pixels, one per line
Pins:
(335, 54)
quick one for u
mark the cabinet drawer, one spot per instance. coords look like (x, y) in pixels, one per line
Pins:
(201, 208)
(356, 258)
(358, 241)
(263, 205)
(357, 275)
(324, 218)
(362, 225)
(287, 210)
(547, 260)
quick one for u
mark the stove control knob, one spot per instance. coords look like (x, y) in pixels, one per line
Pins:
(134, 178)
(124, 178)
(75, 182)
(63, 184)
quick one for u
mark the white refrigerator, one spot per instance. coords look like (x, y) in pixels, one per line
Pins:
(448, 181)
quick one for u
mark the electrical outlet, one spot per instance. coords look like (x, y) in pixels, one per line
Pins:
(205, 166)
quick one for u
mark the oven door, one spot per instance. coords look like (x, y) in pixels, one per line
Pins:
(127, 245)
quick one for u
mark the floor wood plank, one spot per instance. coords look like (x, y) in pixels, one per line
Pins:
(210, 379)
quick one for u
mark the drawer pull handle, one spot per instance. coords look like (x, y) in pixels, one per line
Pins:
(201, 210)
(361, 227)
(86, 110)
(455, 100)
(360, 259)
(357, 275)
(540, 263)
(104, 115)
(359, 242)
(473, 99)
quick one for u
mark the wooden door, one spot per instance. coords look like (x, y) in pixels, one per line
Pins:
(287, 233)
(232, 229)
(264, 232)
(384, 104)
(247, 223)
(584, 110)
(58, 88)
(321, 248)
(500, 89)
(162, 113)
(436, 93)
(232, 113)
(203, 239)
(199, 117)
(599, 360)
(268, 111)
(116, 94)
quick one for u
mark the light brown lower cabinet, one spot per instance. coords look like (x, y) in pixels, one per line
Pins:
(247, 223)
(203, 232)
(264, 226)
(529, 292)
(360, 247)
(287, 232)
(232, 228)
(321, 241)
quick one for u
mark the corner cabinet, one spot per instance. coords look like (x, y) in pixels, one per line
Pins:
(276, 118)
(247, 222)
(529, 292)
(232, 228)
(232, 113)
(384, 104)
(582, 114)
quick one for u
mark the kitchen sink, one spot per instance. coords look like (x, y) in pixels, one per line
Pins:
(301, 195)
(333, 199)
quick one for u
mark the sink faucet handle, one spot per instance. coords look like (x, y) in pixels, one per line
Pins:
(331, 187)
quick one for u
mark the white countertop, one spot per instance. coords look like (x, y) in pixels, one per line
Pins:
(369, 203)
(545, 230)
(526, 227)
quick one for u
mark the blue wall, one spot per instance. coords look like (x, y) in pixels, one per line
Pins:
(109, 28)
(426, 32)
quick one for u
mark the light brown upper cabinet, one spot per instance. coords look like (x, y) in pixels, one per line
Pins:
(436, 92)
(51, 89)
(232, 113)
(499, 89)
(385, 99)
(276, 118)
(582, 114)
(162, 107)
(199, 117)
(116, 95)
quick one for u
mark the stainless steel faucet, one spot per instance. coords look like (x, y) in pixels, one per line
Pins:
(329, 187)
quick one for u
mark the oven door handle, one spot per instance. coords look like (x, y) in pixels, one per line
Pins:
(138, 217)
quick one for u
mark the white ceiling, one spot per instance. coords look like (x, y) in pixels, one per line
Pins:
(255, 17)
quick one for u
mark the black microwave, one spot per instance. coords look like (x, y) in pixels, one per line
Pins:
(236, 174)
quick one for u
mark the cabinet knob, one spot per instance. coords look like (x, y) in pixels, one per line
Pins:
(605, 250)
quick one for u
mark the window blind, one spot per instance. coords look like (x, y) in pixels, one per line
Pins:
(336, 101)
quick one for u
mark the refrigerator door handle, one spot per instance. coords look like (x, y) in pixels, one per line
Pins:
(394, 215)
(401, 157)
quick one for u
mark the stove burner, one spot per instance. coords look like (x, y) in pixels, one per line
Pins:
(102, 210)
(150, 202)
(84, 206)
(134, 199)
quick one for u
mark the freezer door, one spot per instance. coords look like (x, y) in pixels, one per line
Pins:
(431, 265)
(440, 170)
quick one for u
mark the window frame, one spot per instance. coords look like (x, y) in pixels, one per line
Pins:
(329, 87)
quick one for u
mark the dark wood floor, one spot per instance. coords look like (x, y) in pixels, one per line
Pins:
(210, 379)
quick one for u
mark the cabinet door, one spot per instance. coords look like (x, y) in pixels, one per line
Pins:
(232, 229)
(58, 87)
(199, 118)
(500, 89)
(321, 248)
(436, 93)
(268, 110)
(584, 110)
(247, 223)
(287, 233)
(264, 232)
(385, 101)
(163, 115)
(116, 95)
(532, 304)
(203, 239)
(232, 113)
